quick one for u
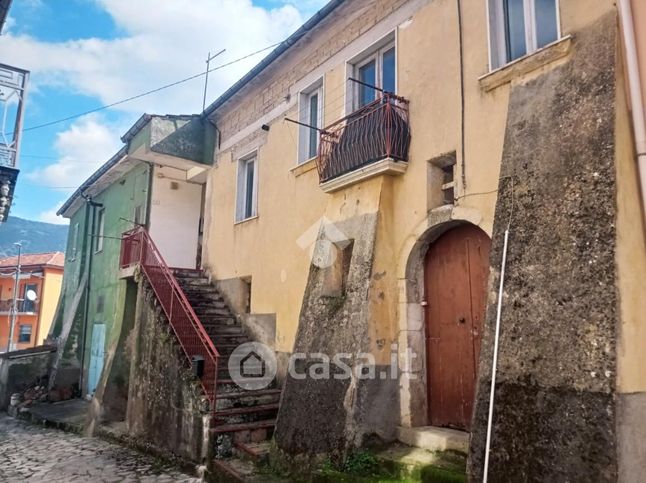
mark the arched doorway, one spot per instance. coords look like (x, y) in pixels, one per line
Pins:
(456, 270)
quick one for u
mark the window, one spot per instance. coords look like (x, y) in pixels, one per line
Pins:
(100, 231)
(24, 333)
(310, 113)
(75, 242)
(29, 305)
(519, 27)
(247, 188)
(379, 69)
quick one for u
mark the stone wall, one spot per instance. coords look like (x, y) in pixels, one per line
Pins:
(330, 415)
(554, 417)
(20, 370)
(165, 402)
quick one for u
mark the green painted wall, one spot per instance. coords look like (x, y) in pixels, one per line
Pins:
(107, 293)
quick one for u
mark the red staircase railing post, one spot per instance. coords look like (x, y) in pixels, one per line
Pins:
(190, 332)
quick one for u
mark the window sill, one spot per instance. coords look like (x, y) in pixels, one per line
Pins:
(240, 222)
(304, 167)
(526, 64)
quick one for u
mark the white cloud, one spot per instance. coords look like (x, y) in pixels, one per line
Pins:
(163, 41)
(50, 216)
(86, 145)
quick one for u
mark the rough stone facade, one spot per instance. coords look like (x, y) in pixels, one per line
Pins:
(554, 417)
(333, 415)
(166, 406)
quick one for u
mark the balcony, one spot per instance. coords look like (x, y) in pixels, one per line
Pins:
(371, 141)
(24, 306)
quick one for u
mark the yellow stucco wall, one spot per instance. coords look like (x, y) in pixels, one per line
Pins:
(290, 202)
(49, 301)
(631, 258)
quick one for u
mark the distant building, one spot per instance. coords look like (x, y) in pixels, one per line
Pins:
(41, 273)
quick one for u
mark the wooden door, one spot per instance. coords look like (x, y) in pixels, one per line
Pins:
(456, 272)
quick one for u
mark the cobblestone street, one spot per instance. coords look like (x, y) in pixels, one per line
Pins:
(31, 453)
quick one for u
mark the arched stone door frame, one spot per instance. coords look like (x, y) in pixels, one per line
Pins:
(412, 326)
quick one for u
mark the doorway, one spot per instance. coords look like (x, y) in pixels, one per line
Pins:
(456, 270)
(97, 354)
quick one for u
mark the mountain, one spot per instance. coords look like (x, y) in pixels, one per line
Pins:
(35, 237)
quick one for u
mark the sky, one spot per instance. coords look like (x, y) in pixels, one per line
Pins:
(84, 54)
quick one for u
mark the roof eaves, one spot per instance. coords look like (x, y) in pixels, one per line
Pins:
(136, 127)
(113, 161)
(274, 55)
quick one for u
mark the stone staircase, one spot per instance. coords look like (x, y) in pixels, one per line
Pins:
(244, 420)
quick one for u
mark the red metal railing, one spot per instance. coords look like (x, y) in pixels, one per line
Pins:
(137, 248)
(376, 131)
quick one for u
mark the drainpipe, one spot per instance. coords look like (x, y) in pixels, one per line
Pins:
(149, 194)
(634, 82)
(91, 205)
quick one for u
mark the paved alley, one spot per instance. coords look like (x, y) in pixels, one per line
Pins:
(32, 453)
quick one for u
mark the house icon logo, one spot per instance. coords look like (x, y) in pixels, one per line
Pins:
(252, 366)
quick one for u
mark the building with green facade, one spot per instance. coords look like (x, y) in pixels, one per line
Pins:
(157, 181)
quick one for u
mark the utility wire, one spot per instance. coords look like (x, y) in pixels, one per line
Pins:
(147, 93)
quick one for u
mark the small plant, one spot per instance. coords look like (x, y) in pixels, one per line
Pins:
(361, 464)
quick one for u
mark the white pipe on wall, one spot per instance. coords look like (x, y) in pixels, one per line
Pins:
(494, 364)
(634, 82)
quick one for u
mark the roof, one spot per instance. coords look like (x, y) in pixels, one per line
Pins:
(274, 55)
(5, 5)
(113, 161)
(52, 259)
(145, 119)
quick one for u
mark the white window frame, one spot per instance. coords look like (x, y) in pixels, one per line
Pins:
(496, 30)
(304, 117)
(241, 190)
(374, 52)
(100, 223)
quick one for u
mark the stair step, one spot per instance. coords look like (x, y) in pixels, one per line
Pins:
(235, 469)
(247, 410)
(246, 394)
(232, 428)
(257, 451)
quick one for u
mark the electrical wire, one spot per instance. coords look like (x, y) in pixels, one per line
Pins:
(147, 93)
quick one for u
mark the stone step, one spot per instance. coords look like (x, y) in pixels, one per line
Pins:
(187, 273)
(232, 428)
(236, 411)
(432, 438)
(406, 463)
(199, 289)
(249, 394)
(256, 452)
(194, 282)
(235, 469)
(224, 338)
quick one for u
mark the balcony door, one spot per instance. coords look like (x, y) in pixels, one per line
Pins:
(28, 305)
(456, 273)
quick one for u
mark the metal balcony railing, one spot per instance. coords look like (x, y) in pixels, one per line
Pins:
(137, 248)
(376, 131)
(24, 306)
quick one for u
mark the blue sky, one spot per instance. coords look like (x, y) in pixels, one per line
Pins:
(88, 53)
